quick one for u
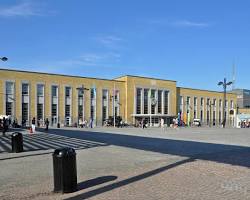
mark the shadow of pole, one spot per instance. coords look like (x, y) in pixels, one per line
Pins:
(129, 180)
(95, 181)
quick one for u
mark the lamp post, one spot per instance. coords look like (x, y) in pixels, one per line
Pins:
(224, 83)
(3, 59)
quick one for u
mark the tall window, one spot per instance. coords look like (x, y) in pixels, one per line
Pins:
(54, 105)
(166, 96)
(104, 105)
(146, 91)
(68, 105)
(40, 102)
(138, 100)
(195, 107)
(25, 103)
(188, 104)
(153, 102)
(181, 104)
(9, 101)
(80, 104)
(160, 101)
(93, 103)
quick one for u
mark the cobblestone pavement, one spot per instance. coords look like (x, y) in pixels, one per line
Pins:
(129, 163)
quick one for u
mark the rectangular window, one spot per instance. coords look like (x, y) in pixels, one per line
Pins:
(160, 101)
(67, 91)
(93, 103)
(40, 90)
(153, 101)
(9, 88)
(166, 96)
(68, 104)
(188, 104)
(25, 89)
(104, 105)
(181, 104)
(202, 101)
(25, 112)
(9, 109)
(54, 91)
(40, 102)
(138, 100)
(67, 111)
(54, 104)
(40, 111)
(146, 91)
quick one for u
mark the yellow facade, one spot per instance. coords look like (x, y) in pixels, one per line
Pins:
(211, 105)
(125, 85)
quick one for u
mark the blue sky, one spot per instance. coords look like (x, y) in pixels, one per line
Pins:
(193, 42)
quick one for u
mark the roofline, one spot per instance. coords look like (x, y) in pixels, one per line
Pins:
(54, 74)
(146, 77)
(203, 90)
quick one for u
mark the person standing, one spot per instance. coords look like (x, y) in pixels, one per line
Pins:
(33, 125)
(47, 124)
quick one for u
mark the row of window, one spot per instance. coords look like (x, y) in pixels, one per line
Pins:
(151, 101)
(40, 90)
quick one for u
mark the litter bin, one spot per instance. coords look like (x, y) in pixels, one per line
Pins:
(58, 125)
(17, 142)
(64, 166)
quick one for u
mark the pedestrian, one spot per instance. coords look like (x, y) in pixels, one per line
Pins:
(33, 125)
(5, 126)
(47, 124)
(162, 124)
(91, 122)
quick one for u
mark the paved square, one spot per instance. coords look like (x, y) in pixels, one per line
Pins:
(131, 163)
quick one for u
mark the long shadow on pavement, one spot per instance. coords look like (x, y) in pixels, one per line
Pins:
(229, 154)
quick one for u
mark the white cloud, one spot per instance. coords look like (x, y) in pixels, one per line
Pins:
(23, 9)
(187, 23)
(109, 41)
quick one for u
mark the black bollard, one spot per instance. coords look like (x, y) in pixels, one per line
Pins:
(17, 142)
(64, 165)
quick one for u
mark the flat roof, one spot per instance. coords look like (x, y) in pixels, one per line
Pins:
(146, 77)
(73, 76)
(204, 90)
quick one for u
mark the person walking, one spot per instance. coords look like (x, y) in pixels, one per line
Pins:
(5, 126)
(33, 125)
(47, 124)
(91, 122)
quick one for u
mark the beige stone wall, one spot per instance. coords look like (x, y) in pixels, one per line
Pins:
(133, 82)
(48, 80)
(188, 92)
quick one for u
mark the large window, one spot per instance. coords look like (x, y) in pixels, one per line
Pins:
(40, 102)
(160, 101)
(138, 100)
(104, 104)
(54, 104)
(25, 103)
(146, 101)
(93, 103)
(166, 96)
(153, 101)
(68, 105)
(9, 101)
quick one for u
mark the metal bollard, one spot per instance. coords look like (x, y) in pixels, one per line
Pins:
(64, 166)
(17, 142)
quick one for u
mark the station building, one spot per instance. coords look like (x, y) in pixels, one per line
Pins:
(66, 99)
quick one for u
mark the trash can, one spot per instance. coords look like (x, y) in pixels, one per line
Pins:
(58, 125)
(64, 166)
(17, 142)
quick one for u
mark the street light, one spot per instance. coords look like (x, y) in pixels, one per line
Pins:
(224, 84)
(3, 59)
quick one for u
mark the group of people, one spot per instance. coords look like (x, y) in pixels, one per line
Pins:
(33, 124)
(245, 124)
(4, 124)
